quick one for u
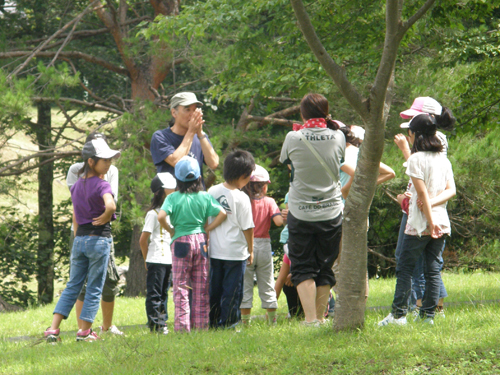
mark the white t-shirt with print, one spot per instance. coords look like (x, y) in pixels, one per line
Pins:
(227, 241)
(159, 245)
(435, 170)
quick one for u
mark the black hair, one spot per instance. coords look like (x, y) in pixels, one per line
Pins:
(427, 142)
(238, 163)
(445, 120)
(157, 200)
(190, 186)
(254, 189)
(171, 122)
(86, 166)
(316, 106)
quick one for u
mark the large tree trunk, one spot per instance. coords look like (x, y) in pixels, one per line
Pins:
(45, 271)
(136, 275)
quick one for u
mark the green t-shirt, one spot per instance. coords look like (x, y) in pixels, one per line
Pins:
(189, 211)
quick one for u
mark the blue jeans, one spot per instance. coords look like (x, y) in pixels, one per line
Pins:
(89, 259)
(226, 291)
(418, 279)
(412, 248)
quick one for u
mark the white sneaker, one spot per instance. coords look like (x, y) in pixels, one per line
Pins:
(389, 319)
(113, 329)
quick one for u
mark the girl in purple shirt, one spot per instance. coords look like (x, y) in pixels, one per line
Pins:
(93, 210)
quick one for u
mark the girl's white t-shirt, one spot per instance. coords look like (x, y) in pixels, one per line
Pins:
(435, 170)
(159, 245)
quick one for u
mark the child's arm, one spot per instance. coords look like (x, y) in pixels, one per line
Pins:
(249, 237)
(280, 281)
(449, 192)
(110, 208)
(216, 221)
(423, 195)
(385, 173)
(162, 219)
(278, 220)
(143, 243)
(75, 224)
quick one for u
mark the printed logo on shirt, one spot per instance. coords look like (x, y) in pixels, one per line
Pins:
(317, 199)
(223, 202)
(191, 154)
(324, 137)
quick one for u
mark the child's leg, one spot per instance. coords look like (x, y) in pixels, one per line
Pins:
(248, 284)
(97, 250)
(181, 273)
(215, 290)
(154, 285)
(265, 277)
(232, 291)
(432, 276)
(164, 291)
(199, 283)
(77, 275)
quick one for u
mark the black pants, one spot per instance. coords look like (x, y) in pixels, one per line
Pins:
(157, 294)
(293, 301)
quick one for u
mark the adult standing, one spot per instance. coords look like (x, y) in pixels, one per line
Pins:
(184, 137)
(315, 154)
(110, 289)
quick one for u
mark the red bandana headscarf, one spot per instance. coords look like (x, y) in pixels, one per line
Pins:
(315, 123)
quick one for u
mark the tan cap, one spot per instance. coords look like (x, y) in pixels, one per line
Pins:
(185, 99)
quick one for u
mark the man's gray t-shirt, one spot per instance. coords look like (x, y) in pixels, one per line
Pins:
(313, 195)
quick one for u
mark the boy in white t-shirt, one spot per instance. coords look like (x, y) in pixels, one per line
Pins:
(157, 255)
(231, 243)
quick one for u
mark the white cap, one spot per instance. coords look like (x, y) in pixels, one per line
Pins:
(168, 181)
(98, 147)
(260, 174)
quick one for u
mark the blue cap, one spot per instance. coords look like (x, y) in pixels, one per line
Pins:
(187, 169)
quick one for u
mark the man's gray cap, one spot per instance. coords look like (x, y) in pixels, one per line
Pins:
(185, 99)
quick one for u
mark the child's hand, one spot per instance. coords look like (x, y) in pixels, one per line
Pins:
(250, 260)
(284, 213)
(402, 142)
(288, 280)
(103, 219)
(145, 265)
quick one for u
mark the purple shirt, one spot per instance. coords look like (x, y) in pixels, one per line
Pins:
(86, 195)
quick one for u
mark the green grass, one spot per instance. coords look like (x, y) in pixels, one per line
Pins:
(465, 342)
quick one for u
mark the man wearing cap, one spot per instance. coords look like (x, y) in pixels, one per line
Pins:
(184, 137)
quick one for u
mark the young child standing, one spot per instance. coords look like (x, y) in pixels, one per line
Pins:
(157, 255)
(231, 244)
(93, 210)
(189, 208)
(264, 209)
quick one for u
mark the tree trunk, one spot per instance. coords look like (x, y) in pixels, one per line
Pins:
(136, 275)
(45, 271)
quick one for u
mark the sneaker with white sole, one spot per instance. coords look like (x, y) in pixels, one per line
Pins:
(112, 329)
(315, 323)
(88, 335)
(390, 319)
(52, 335)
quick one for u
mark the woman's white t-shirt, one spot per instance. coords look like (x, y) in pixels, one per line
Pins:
(435, 170)
(159, 245)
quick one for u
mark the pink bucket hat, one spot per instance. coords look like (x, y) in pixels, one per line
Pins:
(424, 104)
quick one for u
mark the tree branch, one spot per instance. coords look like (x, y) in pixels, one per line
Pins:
(270, 120)
(109, 20)
(336, 72)
(70, 55)
(77, 19)
(55, 156)
(39, 99)
(418, 14)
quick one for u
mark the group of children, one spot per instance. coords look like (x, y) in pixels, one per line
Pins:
(213, 284)
(215, 243)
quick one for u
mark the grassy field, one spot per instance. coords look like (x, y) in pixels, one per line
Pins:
(464, 342)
